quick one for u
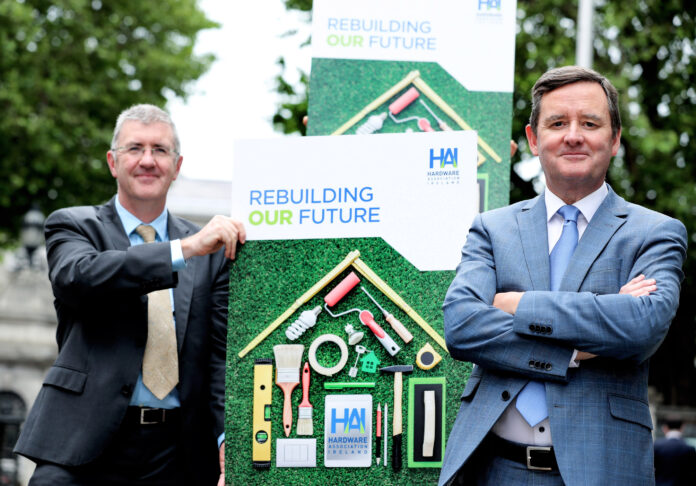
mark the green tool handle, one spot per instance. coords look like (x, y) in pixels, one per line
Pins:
(337, 385)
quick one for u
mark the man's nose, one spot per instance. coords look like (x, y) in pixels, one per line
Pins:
(574, 135)
(148, 157)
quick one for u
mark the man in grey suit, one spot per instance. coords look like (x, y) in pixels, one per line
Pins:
(136, 395)
(558, 393)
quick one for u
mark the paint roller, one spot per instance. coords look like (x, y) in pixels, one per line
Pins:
(401, 103)
(366, 317)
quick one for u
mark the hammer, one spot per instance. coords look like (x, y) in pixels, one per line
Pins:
(397, 425)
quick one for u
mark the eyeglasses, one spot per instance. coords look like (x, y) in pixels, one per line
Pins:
(136, 152)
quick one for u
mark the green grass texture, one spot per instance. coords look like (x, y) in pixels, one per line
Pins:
(266, 279)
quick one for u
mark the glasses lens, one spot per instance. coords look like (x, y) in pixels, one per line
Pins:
(160, 154)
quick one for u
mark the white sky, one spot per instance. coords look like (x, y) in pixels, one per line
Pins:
(235, 98)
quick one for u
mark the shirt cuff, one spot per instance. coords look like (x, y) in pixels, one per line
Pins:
(573, 363)
(221, 439)
(178, 261)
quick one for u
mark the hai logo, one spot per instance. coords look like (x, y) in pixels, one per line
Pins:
(446, 156)
(489, 5)
(353, 419)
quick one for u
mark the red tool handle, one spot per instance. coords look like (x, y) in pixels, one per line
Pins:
(368, 319)
(305, 386)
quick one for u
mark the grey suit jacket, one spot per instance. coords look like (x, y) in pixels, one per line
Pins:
(599, 416)
(100, 284)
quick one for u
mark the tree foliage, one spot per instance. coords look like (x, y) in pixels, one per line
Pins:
(67, 69)
(647, 48)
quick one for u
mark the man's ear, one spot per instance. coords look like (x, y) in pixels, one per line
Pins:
(531, 139)
(616, 143)
(178, 166)
(111, 160)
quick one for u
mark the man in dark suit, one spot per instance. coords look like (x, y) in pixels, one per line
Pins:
(675, 460)
(558, 394)
(136, 395)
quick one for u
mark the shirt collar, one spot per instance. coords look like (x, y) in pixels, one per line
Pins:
(130, 222)
(588, 205)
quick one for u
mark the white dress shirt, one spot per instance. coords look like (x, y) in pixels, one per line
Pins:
(511, 425)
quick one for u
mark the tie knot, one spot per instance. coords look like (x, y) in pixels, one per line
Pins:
(569, 213)
(147, 232)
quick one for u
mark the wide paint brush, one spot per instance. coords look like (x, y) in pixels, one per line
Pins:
(288, 358)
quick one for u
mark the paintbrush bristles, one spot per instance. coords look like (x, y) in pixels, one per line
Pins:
(288, 356)
(304, 421)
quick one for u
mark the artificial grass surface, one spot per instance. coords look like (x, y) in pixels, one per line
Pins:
(266, 278)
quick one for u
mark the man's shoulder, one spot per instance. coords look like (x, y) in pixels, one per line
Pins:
(77, 213)
(509, 211)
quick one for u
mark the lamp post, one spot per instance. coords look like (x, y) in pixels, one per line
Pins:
(31, 234)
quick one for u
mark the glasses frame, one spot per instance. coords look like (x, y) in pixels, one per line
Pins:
(127, 150)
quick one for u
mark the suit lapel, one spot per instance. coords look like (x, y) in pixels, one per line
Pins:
(610, 216)
(113, 226)
(535, 243)
(186, 277)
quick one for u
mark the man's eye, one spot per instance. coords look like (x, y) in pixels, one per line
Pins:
(134, 150)
(160, 151)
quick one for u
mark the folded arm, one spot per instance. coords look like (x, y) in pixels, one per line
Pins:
(477, 331)
(547, 326)
(618, 326)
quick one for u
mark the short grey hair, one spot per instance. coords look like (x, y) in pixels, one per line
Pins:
(558, 77)
(145, 114)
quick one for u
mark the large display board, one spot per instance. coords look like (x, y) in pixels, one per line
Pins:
(391, 209)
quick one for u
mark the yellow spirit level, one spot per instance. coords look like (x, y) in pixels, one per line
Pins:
(263, 382)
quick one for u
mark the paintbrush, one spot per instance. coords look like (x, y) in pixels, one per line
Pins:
(288, 358)
(304, 411)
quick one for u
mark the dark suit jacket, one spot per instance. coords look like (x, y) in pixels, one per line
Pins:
(675, 463)
(599, 414)
(100, 284)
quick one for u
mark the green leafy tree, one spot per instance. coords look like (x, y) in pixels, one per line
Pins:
(647, 48)
(67, 69)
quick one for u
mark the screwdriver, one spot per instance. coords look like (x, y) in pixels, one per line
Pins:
(395, 324)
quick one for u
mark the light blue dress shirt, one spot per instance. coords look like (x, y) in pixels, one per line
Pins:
(142, 396)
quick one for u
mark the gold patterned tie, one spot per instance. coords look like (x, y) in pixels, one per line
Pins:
(160, 362)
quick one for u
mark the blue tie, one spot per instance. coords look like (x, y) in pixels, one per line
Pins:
(531, 402)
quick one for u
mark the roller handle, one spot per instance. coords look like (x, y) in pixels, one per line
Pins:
(368, 319)
(384, 339)
(399, 328)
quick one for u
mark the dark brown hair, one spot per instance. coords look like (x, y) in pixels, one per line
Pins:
(557, 77)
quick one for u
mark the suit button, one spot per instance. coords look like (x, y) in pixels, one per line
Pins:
(548, 366)
(531, 363)
(505, 396)
(531, 327)
(537, 364)
(127, 390)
